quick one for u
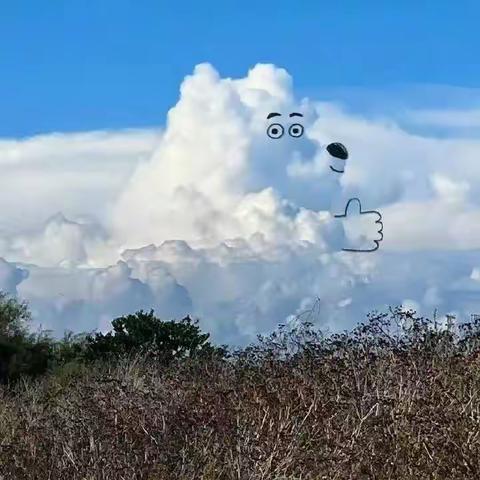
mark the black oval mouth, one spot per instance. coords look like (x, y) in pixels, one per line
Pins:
(335, 170)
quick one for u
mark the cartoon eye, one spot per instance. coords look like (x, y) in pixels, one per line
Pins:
(275, 130)
(295, 130)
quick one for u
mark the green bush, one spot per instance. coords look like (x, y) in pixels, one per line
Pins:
(23, 353)
(144, 333)
(71, 348)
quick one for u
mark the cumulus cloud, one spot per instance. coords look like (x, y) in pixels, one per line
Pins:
(211, 217)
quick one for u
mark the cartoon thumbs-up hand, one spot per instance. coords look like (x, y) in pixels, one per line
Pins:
(363, 228)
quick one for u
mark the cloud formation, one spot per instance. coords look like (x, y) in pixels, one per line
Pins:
(211, 217)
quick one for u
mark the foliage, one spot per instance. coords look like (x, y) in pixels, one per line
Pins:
(396, 397)
(144, 333)
(21, 352)
(14, 317)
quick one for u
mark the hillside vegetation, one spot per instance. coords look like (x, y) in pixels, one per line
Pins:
(395, 398)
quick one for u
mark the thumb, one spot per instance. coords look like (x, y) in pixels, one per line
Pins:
(354, 207)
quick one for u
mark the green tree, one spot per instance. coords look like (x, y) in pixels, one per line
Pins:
(14, 317)
(21, 352)
(144, 333)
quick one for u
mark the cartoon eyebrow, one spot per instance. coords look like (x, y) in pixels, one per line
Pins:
(270, 115)
(295, 114)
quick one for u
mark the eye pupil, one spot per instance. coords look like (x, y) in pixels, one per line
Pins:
(274, 131)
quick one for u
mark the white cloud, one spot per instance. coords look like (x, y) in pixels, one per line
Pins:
(452, 118)
(11, 276)
(213, 218)
(77, 174)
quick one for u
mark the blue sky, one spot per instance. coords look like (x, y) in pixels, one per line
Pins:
(105, 64)
(407, 70)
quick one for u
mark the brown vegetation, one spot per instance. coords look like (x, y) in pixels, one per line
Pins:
(367, 405)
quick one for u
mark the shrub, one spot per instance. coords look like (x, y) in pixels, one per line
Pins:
(387, 400)
(144, 333)
(21, 353)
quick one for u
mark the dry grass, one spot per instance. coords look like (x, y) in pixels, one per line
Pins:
(344, 414)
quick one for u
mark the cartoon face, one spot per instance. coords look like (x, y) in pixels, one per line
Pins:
(276, 130)
(303, 174)
(338, 152)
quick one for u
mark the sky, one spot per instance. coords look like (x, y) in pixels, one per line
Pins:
(137, 173)
(90, 64)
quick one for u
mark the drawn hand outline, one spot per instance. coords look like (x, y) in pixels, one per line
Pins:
(364, 212)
